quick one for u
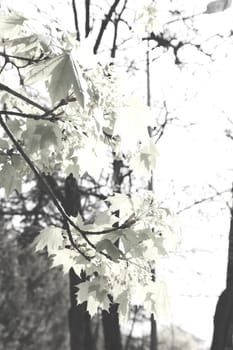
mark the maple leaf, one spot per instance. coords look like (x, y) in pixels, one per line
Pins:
(10, 179)
(122, 203)
(63, 73)
(144, 161)
(110, 248)
(123, 308)
(67, 259)
(50, 238)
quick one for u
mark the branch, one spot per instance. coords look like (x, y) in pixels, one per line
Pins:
(67, 227)
(203, 200)
(162, 127)
(28, 116)
(42, 179)
(116, 23)
(104, 24)
(76, 20)
(29, 60)
(87, 19)
(185, 18)
(50, 192)
(22, 97)
(36, 172)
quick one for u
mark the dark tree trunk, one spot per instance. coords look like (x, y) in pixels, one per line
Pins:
(79, 319)
(153, 334)
(111, 328)
(223, 318)
(111, 325)
(153, 323)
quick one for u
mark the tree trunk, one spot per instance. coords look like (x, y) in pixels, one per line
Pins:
(111, 328)
(153, 334)
(153, 324)
(79, 319)
(111, 325)
(223, 318)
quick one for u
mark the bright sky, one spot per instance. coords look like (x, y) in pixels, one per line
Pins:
(198, 156)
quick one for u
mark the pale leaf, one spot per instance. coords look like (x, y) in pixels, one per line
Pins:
(157, 300)
(122, 203)
(9, 25)
(61, 80)
(67, 259)
(132, 125)
(9, 179)
(123, 308)
(63, 73)
(144, 161)
(83, 292)
(79, 84)
(218, 6)
(42, 70)
(50, 238)
(92, 305)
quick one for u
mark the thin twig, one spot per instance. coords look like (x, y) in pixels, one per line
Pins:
(184, 18)
(203, 200)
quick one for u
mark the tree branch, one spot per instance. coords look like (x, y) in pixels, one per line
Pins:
(104, 24)
(52, 195)
(43, 180)
(27, 116)
(29, 60)
(203, 200)
(116, 23)
(87, 18)
(22, 97)
(76, 20)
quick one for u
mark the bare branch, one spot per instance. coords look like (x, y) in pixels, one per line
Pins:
(76, 20)
(184, 18)
(104, 24)
(22, 97)
(203, 200)
(116, 23)
(87, 18)
(27, 59)
(27, 116)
